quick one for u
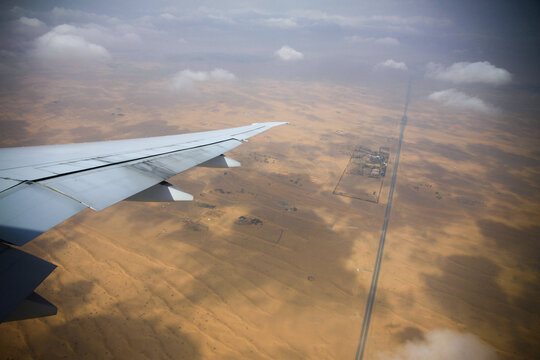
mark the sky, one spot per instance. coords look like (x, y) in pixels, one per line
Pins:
(472, 53)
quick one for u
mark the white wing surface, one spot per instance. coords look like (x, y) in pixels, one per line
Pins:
(42, 186)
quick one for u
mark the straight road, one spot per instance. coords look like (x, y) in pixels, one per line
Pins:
(377, 268)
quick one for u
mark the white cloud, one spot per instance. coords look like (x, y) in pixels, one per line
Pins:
(370, 40)
(282, 23)
(444, 344)
(62, 43)
(222, 75)
(168, 16)
(457, 99)
(391, 64)
(31, 21)
(468, 73)
(186, 79)
(287, 53)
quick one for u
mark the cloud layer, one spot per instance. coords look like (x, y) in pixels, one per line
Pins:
(287, 53)
(186, 79)
(457, 99)
(391, 64)
(469, 73)
(445, 344)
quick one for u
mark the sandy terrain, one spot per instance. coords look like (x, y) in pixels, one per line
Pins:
(290, 279)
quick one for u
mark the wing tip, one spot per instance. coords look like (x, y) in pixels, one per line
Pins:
(271, 124)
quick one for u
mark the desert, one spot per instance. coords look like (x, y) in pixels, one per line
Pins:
(203, 279)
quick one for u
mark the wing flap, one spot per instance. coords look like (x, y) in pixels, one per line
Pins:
(101, 188)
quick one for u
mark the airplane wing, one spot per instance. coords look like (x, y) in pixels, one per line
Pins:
(41, 186)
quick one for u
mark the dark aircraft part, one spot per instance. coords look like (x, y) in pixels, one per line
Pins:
(162, 192)
(20, 274)
(32, 307)
(220, 161)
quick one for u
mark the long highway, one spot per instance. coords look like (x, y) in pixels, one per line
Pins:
(377, 267)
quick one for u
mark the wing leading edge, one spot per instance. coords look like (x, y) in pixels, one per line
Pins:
(42, 186)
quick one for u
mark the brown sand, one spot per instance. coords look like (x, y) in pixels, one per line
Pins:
(186, 281)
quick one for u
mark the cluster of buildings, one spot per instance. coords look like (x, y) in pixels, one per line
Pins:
(371, 163)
